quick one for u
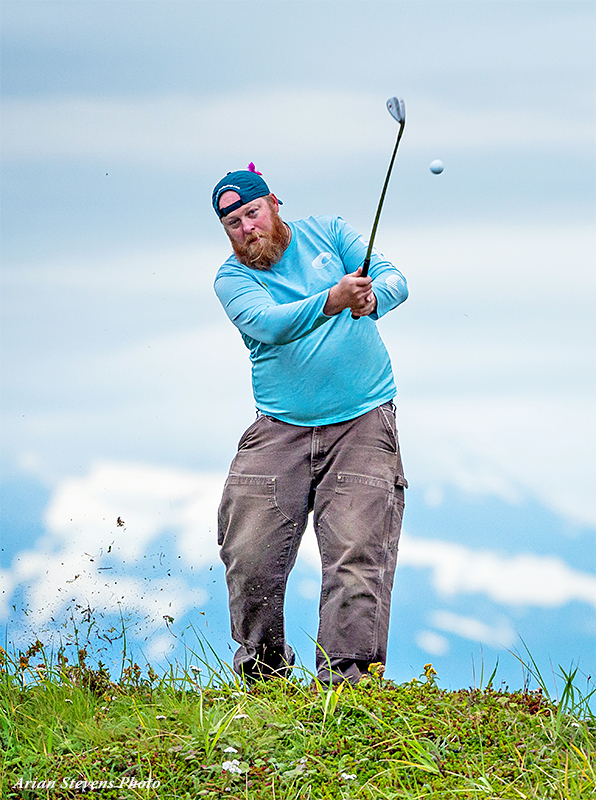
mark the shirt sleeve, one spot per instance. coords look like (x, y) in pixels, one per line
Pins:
(388, 284)
(255, 313)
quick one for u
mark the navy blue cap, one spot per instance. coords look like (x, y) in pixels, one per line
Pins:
(247, 183)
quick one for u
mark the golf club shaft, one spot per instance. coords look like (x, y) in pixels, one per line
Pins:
(373, 233)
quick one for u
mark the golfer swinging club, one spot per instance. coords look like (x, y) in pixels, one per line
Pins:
(324, 440)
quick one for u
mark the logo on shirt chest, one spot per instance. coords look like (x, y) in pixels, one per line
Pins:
(322, 260)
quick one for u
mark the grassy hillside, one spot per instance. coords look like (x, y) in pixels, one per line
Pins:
(69, 729)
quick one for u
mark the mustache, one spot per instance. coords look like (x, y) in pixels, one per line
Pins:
(262, 250)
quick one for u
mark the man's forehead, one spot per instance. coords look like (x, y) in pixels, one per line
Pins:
(236, 213)
(233, 208)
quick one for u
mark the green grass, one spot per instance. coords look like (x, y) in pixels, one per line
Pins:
(187, 734)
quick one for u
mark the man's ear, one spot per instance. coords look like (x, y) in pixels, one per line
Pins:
(275, 201)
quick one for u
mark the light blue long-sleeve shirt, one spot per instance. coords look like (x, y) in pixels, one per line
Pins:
(309, 368)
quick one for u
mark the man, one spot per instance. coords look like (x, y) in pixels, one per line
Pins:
(324, 439)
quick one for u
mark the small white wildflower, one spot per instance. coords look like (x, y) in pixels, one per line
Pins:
(66, 700)
(236, 694)
(241, 716)
(232, 766)
(347, 776)
(160, 716)
(575, 724)
(195, 669)
(230, 750)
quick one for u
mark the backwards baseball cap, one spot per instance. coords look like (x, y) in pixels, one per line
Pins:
(248, 183)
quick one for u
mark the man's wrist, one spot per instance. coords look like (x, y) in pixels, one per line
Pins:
(332, 307)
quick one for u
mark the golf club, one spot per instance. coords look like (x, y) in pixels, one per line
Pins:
(397, 109)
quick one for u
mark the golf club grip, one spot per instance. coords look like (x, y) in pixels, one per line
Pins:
(363, 274)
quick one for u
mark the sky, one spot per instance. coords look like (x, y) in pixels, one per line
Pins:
(125, 388)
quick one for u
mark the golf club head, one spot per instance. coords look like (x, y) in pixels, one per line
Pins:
(397, 109)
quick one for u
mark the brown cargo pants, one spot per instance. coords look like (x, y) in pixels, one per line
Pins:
(350, 476)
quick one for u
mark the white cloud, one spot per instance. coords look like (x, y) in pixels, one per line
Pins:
(500, 635)
(150, 500)
(184, 131)
(73, 562)
(513, 447)
(520, 580)
(309, 589)
(53, 580)
(432, 643)
(159, 646)
(184, 394)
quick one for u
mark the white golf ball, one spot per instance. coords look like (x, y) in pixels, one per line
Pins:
(436, 166)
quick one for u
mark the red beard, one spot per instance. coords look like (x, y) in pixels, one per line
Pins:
(263, 250)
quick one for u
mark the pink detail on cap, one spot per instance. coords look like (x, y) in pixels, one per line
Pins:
(252, 168)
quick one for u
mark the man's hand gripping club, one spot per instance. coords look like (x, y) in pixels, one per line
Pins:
(354, 292)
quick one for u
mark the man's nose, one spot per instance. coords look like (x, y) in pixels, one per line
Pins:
(247, 225)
